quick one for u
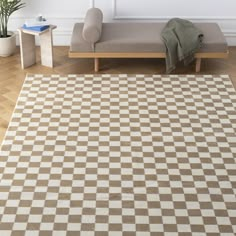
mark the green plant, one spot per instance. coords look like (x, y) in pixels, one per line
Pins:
(7, 7)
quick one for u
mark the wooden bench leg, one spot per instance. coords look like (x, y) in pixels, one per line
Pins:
(96, 64)
(198, 64)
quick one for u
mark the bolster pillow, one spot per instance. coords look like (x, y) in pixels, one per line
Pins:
(92, 29)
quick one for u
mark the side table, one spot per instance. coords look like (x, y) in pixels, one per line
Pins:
(27, 46)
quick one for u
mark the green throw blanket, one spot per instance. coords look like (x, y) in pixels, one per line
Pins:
(182, 39)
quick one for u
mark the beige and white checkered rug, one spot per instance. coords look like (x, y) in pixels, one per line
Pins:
(120, 155)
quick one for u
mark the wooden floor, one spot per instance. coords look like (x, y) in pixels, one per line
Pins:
(12, 76)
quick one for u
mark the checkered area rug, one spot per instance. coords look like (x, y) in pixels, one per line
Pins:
(120, 155)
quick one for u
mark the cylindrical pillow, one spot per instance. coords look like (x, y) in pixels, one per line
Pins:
(92, 29)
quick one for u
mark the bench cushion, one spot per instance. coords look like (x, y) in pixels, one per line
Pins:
(78, 43)
(131, 37)
(214, 40)
(142, 37)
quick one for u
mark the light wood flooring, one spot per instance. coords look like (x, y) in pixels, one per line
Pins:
(12, 76)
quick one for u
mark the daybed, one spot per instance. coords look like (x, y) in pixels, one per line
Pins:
(95, 39)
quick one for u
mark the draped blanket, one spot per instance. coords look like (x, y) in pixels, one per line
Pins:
(182, 39)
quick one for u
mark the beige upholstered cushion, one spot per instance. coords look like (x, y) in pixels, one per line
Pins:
(92, 25)
(78, 44)
(214, 40)
(143, 37)
(131, 37)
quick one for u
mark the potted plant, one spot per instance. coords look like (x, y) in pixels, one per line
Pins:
(7, 38)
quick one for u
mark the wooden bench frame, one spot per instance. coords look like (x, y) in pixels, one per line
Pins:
(98, 55)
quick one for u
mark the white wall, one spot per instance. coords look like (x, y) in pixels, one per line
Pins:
(64, 13)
